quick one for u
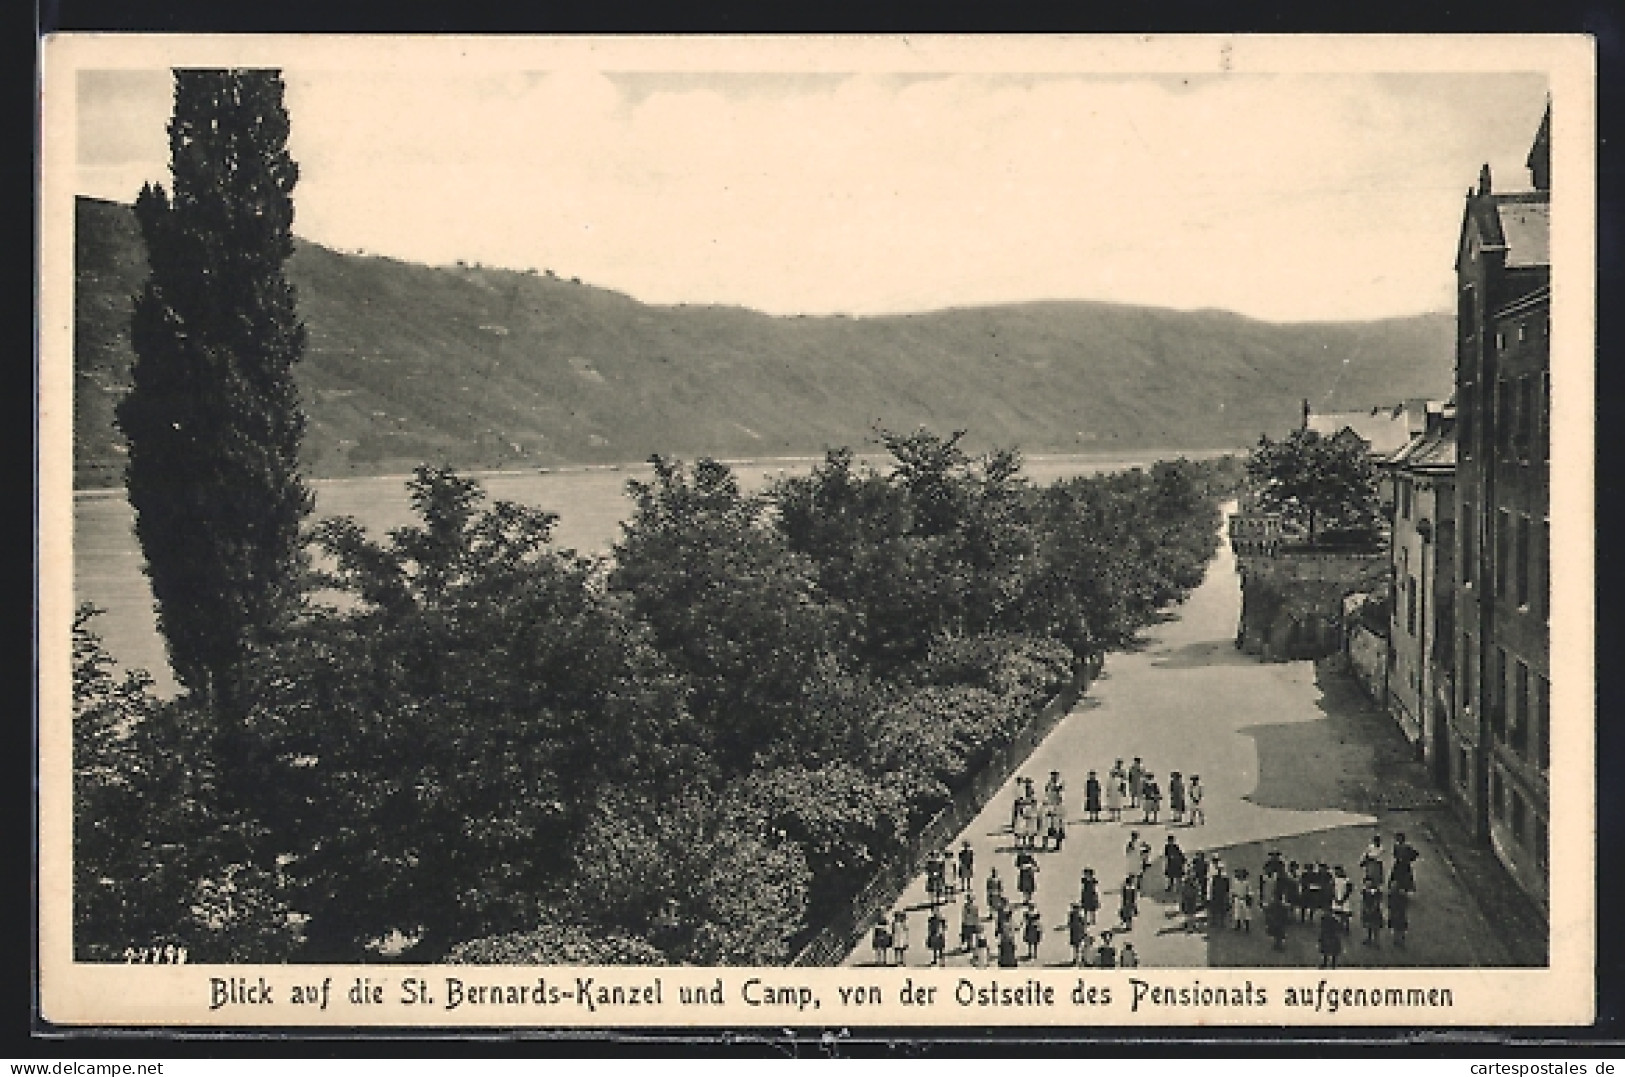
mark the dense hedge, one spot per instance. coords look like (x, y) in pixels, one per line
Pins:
(473, 746)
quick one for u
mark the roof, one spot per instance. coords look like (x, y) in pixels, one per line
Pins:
(1432, 451)
(1385, 430)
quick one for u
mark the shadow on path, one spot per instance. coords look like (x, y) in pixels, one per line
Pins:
(1202, 655)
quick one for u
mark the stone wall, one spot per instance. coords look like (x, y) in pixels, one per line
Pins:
(1292, 603)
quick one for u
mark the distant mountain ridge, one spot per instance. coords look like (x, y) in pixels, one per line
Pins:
(480, 367)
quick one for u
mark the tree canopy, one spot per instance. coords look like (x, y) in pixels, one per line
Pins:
(1327, 487)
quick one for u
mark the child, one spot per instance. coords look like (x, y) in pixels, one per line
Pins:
(899, 935)
(1399, 912)
(1032, 933)
(1089, 895)
(1241, 902)
(979, 956)
(1129, 959)
(1131, 903)
(1026, 876)
(1077, 933)
(1343, 897)
(1371, 913)
(1331, 939)
(1176, 797)
(1106, 956)
(1276, 916)
(1198, 816)
(882, 940)
(936, 936)
(970, 922)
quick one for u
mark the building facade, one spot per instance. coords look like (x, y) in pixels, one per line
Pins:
(1498, 737)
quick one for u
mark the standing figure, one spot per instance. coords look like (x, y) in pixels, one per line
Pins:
(936, 936)
(1026, 876)
(1116, 790)
(1131, 855)
(1173, 863)
(1371, 866)
(1007, 949)
(967, 865)
(1106, 956)
(1136, 782)
(1241, 902)
(1151, 798)
(882, 940)
(1371, 913)
(1218, 899)
(1032, 933)
(1089, 895)
(950, 872)
(1276, 915)
(1129, 959)
(1176, 797)
(1342, 897)
(1399, 913)
(1405, 857)
(1145, 861)
(1331, 940)
(1199, 868)
(1091, 797)
(1198, 816)
(1130, 906)
(995, 889)
(1190, 897)
(979, 956)
(970, 922)
(1291, 886)
(1077, 933)
(936, 882)
(899, 935)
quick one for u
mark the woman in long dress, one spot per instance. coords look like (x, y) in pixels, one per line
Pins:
(1091, 797)
(1115, 783)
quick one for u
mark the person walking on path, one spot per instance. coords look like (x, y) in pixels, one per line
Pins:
(1343, 897)
(1198, 816)
(899, 935)
(1405, 857)
(1136, 782)
(967, 865)
(1399, 914)
(881, 940)
(1130, 904)
(1131, 855)
(1331, 940)
(936, 937)
(1026, 876)
(1032, 933)
(1218, 901)
(1371, 913)
(1176, 798)
(1089, 895)
(1091, 797)
(1116, 791)
(1077, 933)
(1151, 798)
(1173, 863)
(1241, 902)
(970, 922)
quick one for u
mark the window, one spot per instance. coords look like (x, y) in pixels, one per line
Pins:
(1526, 419)
(1466, 406)
(1469, 548)
(1520, 589)
(1410, 605)
(1523, 332)
(1497, 795)
(1495, 691)
(1500, 342)
(1543, 724)
(1461, 766)
(1503, 550)
(1518, 734)
(1471, 690)
(1516, 822)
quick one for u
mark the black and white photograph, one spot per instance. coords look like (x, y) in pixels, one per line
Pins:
(1065, 531)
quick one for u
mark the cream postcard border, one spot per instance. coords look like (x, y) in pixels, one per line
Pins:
(1563, 994)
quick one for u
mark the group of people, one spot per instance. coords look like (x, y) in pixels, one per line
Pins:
(1035, 823)
(1041, 822)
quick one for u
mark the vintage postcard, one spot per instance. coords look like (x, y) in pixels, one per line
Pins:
(1058, 532)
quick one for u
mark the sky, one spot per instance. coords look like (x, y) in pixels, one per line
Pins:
(1292, 197)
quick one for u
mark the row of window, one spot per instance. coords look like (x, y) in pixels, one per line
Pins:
(1521, 564)
(1508, 806)
(1518, 709)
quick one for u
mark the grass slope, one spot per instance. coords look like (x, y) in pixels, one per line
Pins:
(488, 368)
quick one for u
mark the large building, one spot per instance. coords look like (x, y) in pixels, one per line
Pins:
(1498, 738)
(1421, 632)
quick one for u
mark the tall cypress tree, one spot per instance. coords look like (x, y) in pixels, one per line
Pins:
(212, 418)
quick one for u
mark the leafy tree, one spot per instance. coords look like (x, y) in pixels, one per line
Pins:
(212, 418)
(1317, 483)
(440, 738)
(729, 604)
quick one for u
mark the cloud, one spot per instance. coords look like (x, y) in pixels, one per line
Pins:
(1283, 197)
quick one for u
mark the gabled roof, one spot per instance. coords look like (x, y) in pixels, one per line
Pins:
(1383, 429)
(1432, 451)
